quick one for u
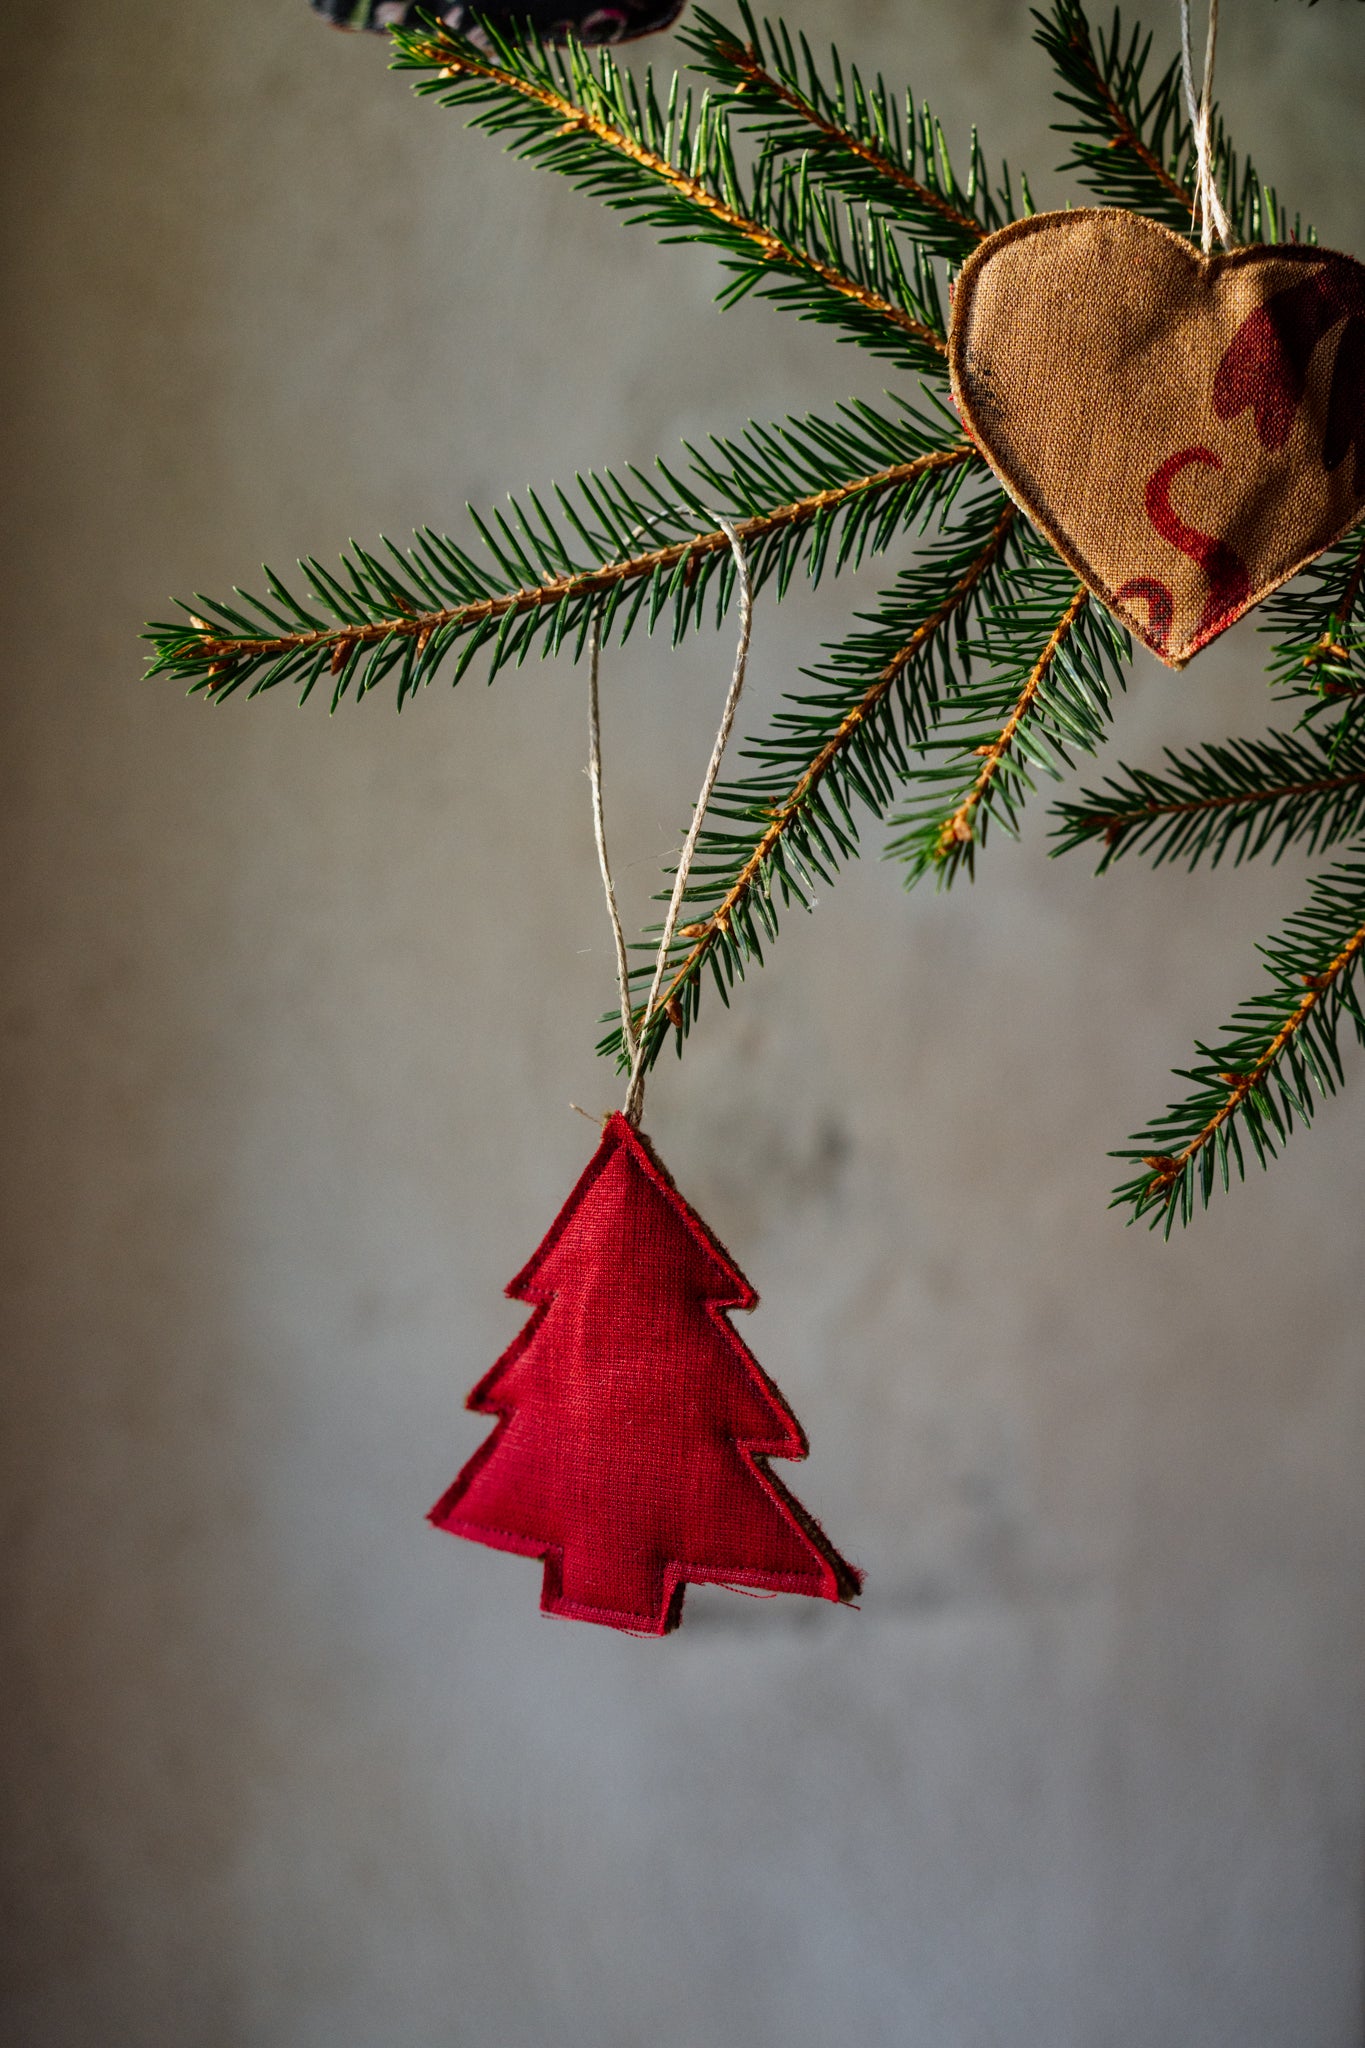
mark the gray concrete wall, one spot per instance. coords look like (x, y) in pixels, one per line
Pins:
(293, 1008)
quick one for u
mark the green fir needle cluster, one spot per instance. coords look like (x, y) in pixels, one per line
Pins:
(983, 666)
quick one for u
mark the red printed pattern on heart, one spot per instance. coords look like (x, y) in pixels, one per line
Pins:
(1266, 364)
(1229, 581)
(1188, 432)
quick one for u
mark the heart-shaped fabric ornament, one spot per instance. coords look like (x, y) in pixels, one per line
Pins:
(1188, 431)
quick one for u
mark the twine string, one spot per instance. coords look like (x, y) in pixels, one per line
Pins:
(599, 827)
(636, 1034)
(1208, 211)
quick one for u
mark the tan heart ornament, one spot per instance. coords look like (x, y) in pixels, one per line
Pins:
(1188, 431)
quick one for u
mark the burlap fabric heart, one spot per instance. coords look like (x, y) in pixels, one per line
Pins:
(1188, 431)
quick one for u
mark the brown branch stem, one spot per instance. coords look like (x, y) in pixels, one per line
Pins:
(1125, 134)
(959, 829)
(1329, 647)
(747, 60)
(1114, 824)
(1168, 1168)
(453, 63)
(709, 930)
(224, 650)
(1352, 591)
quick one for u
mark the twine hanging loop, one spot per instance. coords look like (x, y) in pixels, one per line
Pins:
(1209, 211)
(635, 1032)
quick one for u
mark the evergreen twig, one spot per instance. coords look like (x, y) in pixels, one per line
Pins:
(856, 137)
(1241, 798)
(1045, 664)
(673, 167)
(1317, 625)
(1130, 140)
(983, 665)
(813, 493)
(784, 827)
(1279, 1056)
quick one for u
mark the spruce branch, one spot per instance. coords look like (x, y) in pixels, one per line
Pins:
(1051, 660)
(1317, 625)
(857, 138)
(1131, 143)
(673, 167)
(984, 665)
(1241, 798)
(961, 828)
(810, 493)
(1130, 140)
(783, 828)
(1279, 1056)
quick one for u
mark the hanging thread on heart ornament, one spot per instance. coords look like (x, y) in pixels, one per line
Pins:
(1186, 427)
(1208, 209)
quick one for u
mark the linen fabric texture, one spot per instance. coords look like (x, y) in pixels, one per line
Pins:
(634, 1425)
(1187, 431)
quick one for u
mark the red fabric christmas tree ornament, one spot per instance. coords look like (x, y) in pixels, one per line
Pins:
(634, 1426)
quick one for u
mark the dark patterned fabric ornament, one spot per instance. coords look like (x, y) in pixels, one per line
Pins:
(617, 22)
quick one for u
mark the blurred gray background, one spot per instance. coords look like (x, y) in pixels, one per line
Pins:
(293, 1010)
